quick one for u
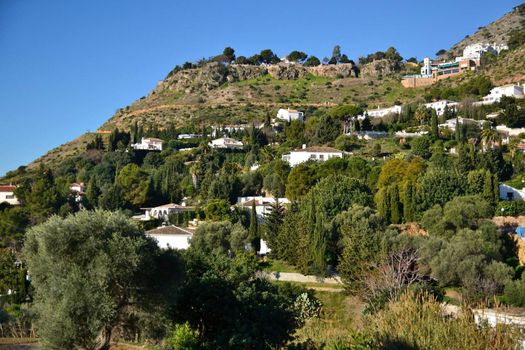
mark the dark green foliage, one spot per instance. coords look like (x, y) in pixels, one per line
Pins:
(273, 220)
(296, 56)
(230, 307)
(88, 271)
(254, 231)
(514, 293)
(510, 208)
(459, 213)
(438, 187)
(421, 147)
(362, 232)
(312, 61)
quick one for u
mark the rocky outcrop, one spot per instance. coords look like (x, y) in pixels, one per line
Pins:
(335, 71)
(287, 71)
(379, 68)
(212, 75)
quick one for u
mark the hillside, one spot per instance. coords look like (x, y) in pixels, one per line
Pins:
(496, 32)
(215, 93)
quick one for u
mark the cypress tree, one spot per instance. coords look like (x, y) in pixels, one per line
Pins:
(92, 193)
(434, 125)
(409, 202)
(383, 203)
(254, 235)
(272, 222)
(395, 205)
(318, 247)
(458, 131)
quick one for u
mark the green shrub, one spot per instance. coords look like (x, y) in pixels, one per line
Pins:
(183, 338)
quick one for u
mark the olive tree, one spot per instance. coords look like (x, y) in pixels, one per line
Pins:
(88, 270)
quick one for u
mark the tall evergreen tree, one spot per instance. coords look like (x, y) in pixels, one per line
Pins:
(434, 128)
(272, 222)
(409, 205)
(395, 205)
(254, 234)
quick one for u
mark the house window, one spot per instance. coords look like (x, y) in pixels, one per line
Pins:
(312, 156)
(321, 156)
(510, 196)
(10, 196)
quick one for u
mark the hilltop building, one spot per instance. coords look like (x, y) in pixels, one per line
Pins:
(262, 204)
(315, 153)
(435, 71)
(7, 194)
(290, 115)
(148, 144)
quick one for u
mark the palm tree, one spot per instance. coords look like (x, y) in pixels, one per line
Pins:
(489, 136)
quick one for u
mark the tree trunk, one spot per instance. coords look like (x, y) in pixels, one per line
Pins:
(103, 339)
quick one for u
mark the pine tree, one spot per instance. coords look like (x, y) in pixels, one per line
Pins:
(253, 231)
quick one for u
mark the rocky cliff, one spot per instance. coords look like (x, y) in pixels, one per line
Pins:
(213, 75)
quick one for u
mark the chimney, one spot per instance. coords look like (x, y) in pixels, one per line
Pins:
(304, 145)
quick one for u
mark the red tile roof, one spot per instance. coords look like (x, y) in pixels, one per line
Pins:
(7, 188)
(153, 139)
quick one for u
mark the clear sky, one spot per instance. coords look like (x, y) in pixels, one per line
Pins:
(67, 65)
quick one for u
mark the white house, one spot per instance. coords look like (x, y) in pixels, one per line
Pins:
(316, 153)
(162, 212)
(188, 136)
(510, 131)
(475, 51)
(262, 204)
(451, 123)
(148, 144)
(368, 135)
(510, 90)
(173, 237)
(408, 134)
(439, 106)
(290, 114)
(382, 112)
(226, 142)
(77, 189)
(510, 193)
(7, 194)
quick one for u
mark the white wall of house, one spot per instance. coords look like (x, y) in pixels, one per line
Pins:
(174, 241)
(7, 195)
(507, 192)
(226, 142)
(290, 114)
(301, 156)
(382, 112)
(498, 92)
(439, 106)
(148, 144)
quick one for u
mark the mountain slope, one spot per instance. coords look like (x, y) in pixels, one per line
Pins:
(496, 32)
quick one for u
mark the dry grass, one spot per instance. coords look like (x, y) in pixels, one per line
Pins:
(411, 324)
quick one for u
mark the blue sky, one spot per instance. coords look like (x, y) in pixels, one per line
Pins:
(66, 66)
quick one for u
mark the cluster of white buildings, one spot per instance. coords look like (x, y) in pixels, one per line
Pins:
(315, 153)
(383, 112)
(148, 144)
(453, 122)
